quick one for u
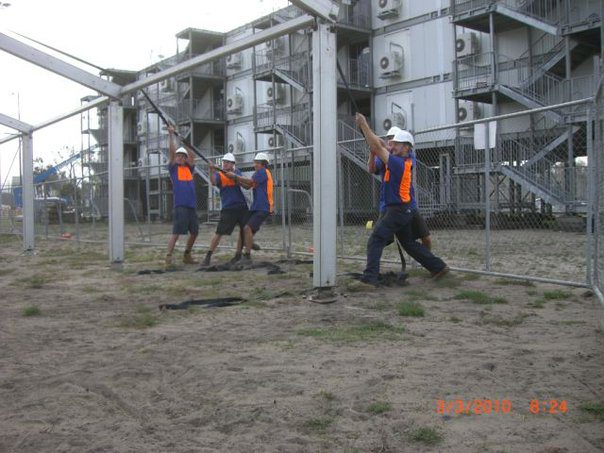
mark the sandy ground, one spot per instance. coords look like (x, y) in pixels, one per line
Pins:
(89, 363)
(541, 253)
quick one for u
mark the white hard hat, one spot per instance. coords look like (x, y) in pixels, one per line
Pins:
(404, 136)
(182, 150)
(229, 157)
(393, 130)
(261, 156)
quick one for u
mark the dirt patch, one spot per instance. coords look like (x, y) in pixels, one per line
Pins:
(89, 363)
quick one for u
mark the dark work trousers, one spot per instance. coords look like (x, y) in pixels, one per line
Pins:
(399, 246)
(397, 221)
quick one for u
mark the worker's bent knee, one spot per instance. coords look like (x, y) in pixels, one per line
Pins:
(427, 241)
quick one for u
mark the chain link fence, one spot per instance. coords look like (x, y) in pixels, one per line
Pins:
(520, 212)
(523, 211)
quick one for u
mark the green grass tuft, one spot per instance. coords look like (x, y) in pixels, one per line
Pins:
(504, 322)
(35, 281)
(537, 303)
(556, 295)
(428, 436)
(31, 310)
(327, 396)
(410, 309)
(142, 320)
(318, 425)
(353, 333)
(595, 409)
(379, 408)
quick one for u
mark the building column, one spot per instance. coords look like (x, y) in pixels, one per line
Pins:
(116, 183)
(27, 184)
(324, 156)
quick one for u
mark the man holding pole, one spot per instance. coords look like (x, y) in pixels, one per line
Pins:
(184, 218)
(399, 209)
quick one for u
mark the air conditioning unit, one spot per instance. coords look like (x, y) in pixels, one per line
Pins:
(276, 141)
(397, 119)
(391, 65)
(238, 146)
(468, 111)
(233, 61)
(141, 128)
(275, 96)
(166, 85)
(467, 44)
(275, 47)
(387, 9)
(234, 103)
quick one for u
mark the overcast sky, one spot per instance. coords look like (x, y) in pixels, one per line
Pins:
(125, 34)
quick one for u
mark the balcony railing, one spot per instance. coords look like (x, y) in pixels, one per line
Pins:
(358, 15)
(358, 72)
(213, 69)
(544, 10)
(582, 16)
(474, 72)
(200, 110)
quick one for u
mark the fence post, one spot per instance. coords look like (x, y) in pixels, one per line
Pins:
(591, 200)
(487, 197)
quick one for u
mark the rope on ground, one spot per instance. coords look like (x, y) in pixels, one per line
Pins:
(205, 303)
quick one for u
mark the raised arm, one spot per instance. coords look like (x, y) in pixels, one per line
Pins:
(371, 162)
(171, 144)
(375, 143)
(191, 155)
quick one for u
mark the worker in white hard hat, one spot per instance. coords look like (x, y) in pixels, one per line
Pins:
(398, 197)
(184, 218)
(234, 210)
(419, 226)
(263, 203)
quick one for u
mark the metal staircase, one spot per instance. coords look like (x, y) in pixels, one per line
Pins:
(295, 71)
(538, 179)
(541, 14)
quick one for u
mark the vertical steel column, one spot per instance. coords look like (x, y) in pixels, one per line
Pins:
(592, 184)
(569, 177)
(27, 185)
(324, 152)
(116, 183)
(487, 197)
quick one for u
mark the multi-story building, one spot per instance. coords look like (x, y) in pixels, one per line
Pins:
(407, 63)
(517, 55)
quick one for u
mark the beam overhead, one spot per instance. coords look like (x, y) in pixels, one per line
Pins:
(15, 124)
(325, 9)
(90, 105)
(53, 64)
(235, 46)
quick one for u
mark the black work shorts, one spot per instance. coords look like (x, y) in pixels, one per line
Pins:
(255, 219)
(184, 220)
(230, 218)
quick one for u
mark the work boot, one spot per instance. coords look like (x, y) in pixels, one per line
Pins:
(246, 258)
(188, 259)
(207, 259)
(236, 258)
(440, 274)
(169, 259)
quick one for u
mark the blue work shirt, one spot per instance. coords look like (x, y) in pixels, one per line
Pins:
(183, 185)
(231, 195)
